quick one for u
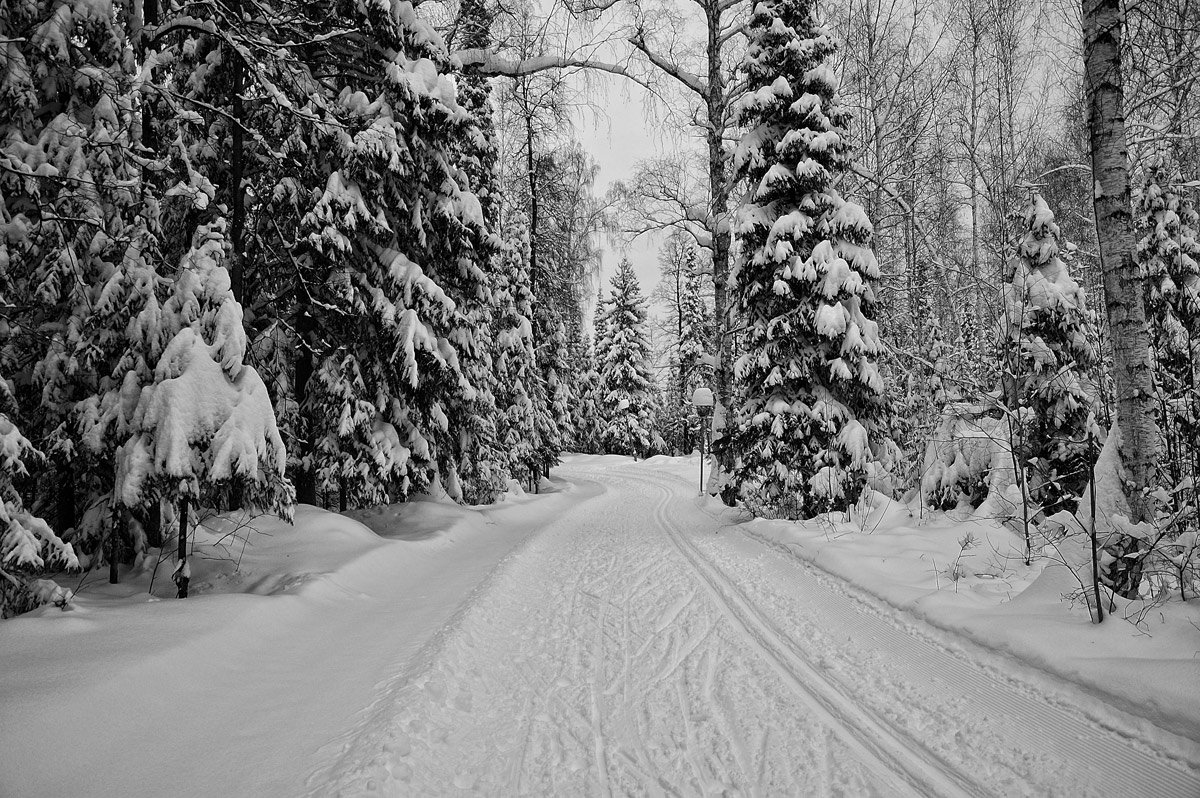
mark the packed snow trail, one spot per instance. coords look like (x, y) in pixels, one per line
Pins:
(632, 648)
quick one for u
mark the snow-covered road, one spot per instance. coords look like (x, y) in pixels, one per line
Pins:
(637, 646)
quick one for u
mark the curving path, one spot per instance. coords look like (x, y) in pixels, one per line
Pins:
(638, 647)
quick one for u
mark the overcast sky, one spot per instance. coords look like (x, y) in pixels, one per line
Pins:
(617, 143)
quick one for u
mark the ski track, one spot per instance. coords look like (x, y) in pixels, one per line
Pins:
(629, 650)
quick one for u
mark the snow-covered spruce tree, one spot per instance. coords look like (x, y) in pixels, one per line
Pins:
(27, 543)
(126, 325)
(587, 421)
(205, 431)
(695, 338)
(1169, 254)
(482, 465)
(812, 406)
(1046, 344)
(517, 376)
(695, 344)
(385, 254)
(623, 359)
(555, 366)
(72, 195)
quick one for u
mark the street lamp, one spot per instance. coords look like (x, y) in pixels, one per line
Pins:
(702, 400)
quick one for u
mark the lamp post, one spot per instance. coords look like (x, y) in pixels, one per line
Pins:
(702, 400)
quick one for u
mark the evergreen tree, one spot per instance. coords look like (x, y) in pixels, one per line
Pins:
(587, 420)
(27, 543)
(695, 339)
(812, 404)
(82, 219)
(695, 347)
(1169, 254)
(623, 357)
(518, 382)
(482, 463)
(1047, 346)
(556, 368)
(203, 431)
(388, 280)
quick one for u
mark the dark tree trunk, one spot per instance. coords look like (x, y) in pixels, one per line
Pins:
(236, 179)
(306, 487)
(181, 574)
(65, 501)
(152, 524)
(114, 543)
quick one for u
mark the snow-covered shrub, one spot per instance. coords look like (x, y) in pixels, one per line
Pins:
(967, 456)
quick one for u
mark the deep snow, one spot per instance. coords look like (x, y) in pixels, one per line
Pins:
(614, 635)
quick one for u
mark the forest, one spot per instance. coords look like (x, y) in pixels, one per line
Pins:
(255, 253)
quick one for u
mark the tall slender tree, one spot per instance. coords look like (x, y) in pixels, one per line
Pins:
(1103, 31)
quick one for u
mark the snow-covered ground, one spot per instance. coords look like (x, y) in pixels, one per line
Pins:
(615, 635)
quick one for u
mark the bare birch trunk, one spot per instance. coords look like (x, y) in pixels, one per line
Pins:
(719, 213)
(1102, 30)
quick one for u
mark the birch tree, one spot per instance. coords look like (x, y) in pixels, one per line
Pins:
(1123, 290)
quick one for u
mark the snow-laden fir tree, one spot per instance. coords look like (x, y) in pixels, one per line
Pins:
(623, 360)
(72, 199)
(587, 421)
(387, 272)
(518, 381)
(127, 326)
(481, 463)
(1047, 350)
(695, 344)
(1169, 254)
(695, 337)
(811, 406)
(27, 543)
(204, 430)
(556, 367)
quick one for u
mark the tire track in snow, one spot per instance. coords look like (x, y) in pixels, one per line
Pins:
(1068, 728)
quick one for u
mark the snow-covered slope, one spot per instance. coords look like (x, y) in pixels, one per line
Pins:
(235, 690)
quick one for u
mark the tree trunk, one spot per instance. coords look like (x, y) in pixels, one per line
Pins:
(152, 524)
(718, 182)
(236, 179)
(306, 484)
(65, 502)
(1123, 291)
(182, 576)
(534, 224)
(114, 542)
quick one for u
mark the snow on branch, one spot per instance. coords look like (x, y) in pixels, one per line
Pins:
(489, 62)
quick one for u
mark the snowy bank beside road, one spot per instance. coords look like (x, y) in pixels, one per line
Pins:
(246, 685)
(1148, 665)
